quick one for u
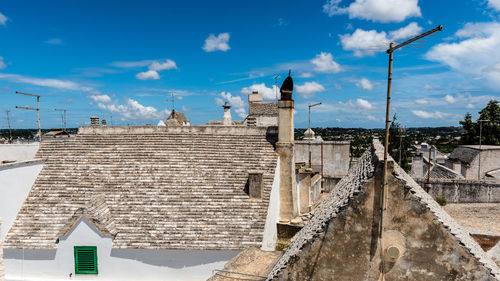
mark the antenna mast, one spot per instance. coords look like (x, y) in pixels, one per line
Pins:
(30, 108)
(64, 119)
(8, 122)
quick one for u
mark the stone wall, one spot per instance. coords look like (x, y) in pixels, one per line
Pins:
(464, 191)
(336, 156)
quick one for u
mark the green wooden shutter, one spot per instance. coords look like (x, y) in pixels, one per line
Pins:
(85, 259)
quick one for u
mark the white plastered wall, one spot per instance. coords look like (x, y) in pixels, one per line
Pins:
(15, 184)
(113, 264)
(270, 228)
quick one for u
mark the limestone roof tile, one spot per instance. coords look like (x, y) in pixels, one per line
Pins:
(153, 188)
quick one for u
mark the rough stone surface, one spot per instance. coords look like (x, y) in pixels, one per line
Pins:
(477, 218)
(251, 261)
(340, 242)
(151, 187)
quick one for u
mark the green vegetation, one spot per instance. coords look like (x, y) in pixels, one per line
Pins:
(441, 200)
(491, 128)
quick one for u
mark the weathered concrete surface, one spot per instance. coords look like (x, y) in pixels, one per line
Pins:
(251, 261)
(341, 241)
(464, 191)
(480, 218)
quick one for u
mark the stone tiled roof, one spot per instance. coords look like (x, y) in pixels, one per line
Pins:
(349, 187)
(464, 154)
(439, 171)
(150, 188)
(263, 108)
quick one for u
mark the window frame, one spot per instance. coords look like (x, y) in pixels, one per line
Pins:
(94, 250)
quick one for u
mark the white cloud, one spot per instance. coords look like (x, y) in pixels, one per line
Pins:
(324, 63)
(131, 64)
(3, 19)
(306, 75)
(469, 106)
(476, 54)
(154, 67)
(450, 99)
(371, 117)
(133, 110)
(430, 115)
(365, 84)
(421, 101)
(267, 93)
(364, 42)
(217, 43)
(410, 30)
(308, 89)
(495, 4)
(45, 82)
(2, 63)
(54, 41)
(364, 104)
(101, 98)
(375, 10)
(367, 42)
(236, 102)
(148, 75)
(159, 66)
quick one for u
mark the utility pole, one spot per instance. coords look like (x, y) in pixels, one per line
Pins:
(172, 100)
(64, 119)
(8, 122)
(384, 189)
(37, 109)
(401, 135)
(429, 168)
(311, 105)
(276, 84)
(480, 151)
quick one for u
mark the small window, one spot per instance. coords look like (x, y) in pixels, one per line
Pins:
(85, 259)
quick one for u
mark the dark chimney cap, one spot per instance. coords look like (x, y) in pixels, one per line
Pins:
(287, 88)
(226, 105)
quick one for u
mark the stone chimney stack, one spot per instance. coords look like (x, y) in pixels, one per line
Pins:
(94, 121)
(226, 120)
(286, 151)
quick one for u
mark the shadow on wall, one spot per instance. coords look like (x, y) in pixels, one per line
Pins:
(174, 258)
(20, 254)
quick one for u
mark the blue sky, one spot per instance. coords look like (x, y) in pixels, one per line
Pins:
(124, 58)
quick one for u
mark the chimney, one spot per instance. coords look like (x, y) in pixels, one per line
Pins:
(254, 97)
(103, 123)
(226, 120)
(286, 151)
(94, 121)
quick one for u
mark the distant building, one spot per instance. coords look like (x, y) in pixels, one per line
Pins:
(465, 160)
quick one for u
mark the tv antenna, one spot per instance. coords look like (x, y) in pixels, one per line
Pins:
(172, 100)
(276, 84)
(8, 122)
(64, 117)
(30, 108)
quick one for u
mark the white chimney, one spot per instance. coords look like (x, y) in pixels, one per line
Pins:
(226, 120)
